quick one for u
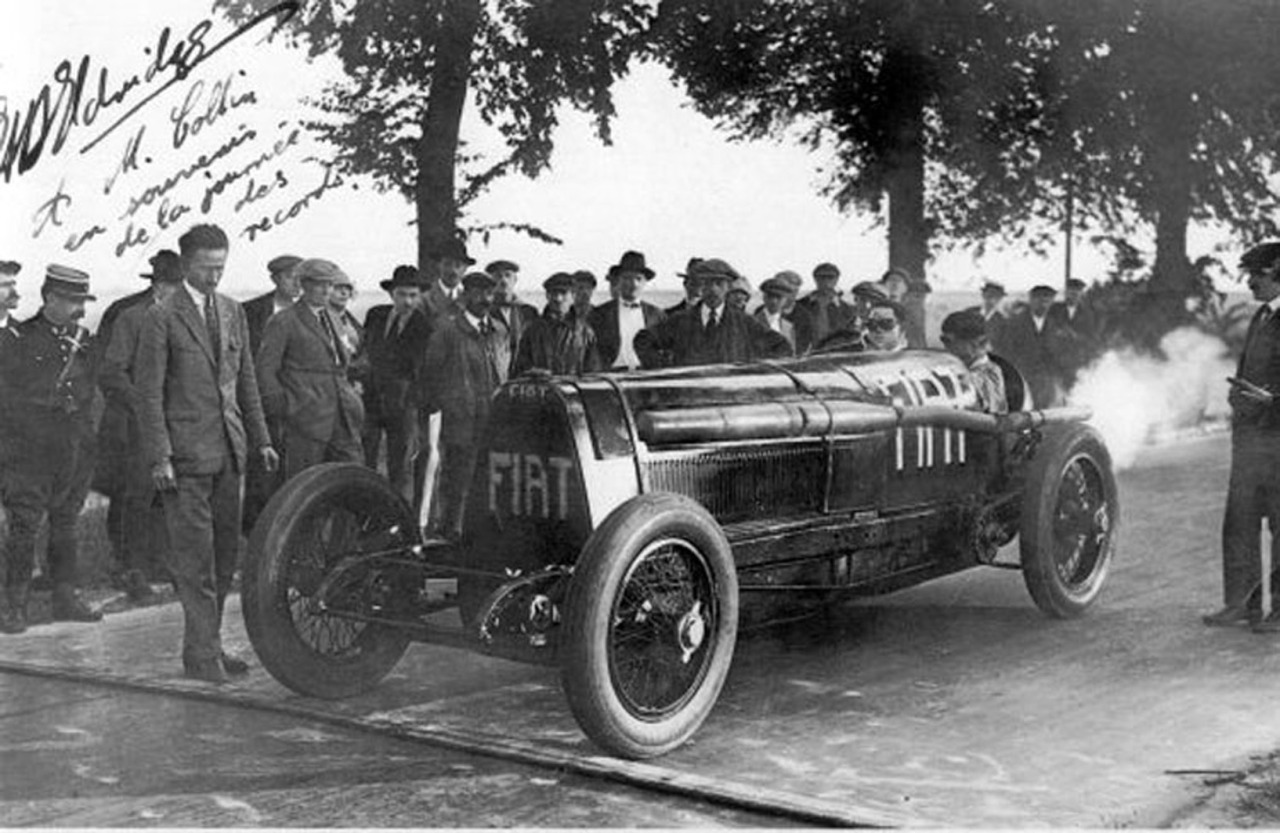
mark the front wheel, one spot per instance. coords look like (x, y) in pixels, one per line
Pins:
(325, 516)
(651, 618)
(1070, 515)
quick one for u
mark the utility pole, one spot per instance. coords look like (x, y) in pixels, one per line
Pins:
(1070, 227)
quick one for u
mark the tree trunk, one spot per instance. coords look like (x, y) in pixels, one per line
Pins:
(436, 202)
(904, 183)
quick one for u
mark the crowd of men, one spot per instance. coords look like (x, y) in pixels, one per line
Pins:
(210, 405)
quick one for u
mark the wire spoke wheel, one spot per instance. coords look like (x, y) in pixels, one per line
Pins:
(303, 593)
(1069, 518)
(661, 636)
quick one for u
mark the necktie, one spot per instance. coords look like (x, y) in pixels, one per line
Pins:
(710, 328)
(334, 346)
(211, 324)
(392, 324)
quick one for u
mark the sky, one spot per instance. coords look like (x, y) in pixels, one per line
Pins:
(671, 185)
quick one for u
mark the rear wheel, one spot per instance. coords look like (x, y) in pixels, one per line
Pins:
(321, 517)
(651, 620)
(1070, 514)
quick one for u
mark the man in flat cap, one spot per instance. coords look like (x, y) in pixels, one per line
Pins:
(9, 297)
(713, 332)
(821, 312)
(778, 292)
(444, 298)
(304, 377)
(46, 442)
(1076, 320)
(964, 334)
(558, 342)
(201, 418)
(1253, 492)
(1034, 344)
(516, 314)
(135, 518)
(468, 358)
(258, 311)
(584, 291)
(259, 484)
(692, 287)
(396, 337)
(617, 322)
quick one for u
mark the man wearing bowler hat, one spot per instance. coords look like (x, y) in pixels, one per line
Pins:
(558, 342)
(692, 287)
(201, 417)
(444, 298)
(46, 440)
(135, 518)
(396, 337)
(617, 322)
(468, 358)
(304, 377)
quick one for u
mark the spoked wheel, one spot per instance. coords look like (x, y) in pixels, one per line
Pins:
(304, 581)
(650, 624)
(1070, 514)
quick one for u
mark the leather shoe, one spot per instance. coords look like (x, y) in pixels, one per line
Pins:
(69, 607)
(1269, 625)
(209, 671)
(1229, 617)
(234, 666)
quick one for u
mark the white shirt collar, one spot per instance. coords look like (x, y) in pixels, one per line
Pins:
(197, 297)
(1273, 305)
(471, 319)
(706, 313)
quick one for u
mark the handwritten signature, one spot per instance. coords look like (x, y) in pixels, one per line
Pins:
(63, 104)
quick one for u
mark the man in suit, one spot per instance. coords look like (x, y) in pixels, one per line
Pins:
(584, 290)
(303, 376)
(713, 332)
(617, 322)
(1034, 345)
(772, 313)
(1253, 492)
(396, 337)
(201, 418)
(692, 287)
(444, 297)
(558, 342)
(258, 311)
(259, 484)
(821, 312)
(517, 315)
(993, 316)
(468, 358)
(46, 434)
(1078, 323)
(135, 519)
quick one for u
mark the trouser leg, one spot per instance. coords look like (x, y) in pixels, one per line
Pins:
(25, 501)
(301, 453)
(225, 502)
(457, 465)
(189, 514)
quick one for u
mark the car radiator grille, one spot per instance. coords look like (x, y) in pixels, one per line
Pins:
(737, 484)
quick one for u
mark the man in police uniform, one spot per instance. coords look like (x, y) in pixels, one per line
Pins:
(46, 391)
(1253, 492)
(9, 270)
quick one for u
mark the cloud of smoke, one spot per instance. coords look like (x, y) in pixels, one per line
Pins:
(1134, 396)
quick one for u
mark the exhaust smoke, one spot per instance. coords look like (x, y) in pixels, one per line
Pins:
(1134, 395)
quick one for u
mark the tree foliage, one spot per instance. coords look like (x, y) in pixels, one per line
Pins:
(411, 66)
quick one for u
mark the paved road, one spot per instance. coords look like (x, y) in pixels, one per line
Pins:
(86, 756)
(955, 703)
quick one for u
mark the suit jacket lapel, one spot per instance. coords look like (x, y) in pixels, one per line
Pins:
(312, 322)
(190, 315)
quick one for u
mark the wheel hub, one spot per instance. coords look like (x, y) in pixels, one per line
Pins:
(691, 632)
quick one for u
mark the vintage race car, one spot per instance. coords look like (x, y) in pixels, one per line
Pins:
(615, 521)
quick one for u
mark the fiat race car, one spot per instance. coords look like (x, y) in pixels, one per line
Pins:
(619, 525)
